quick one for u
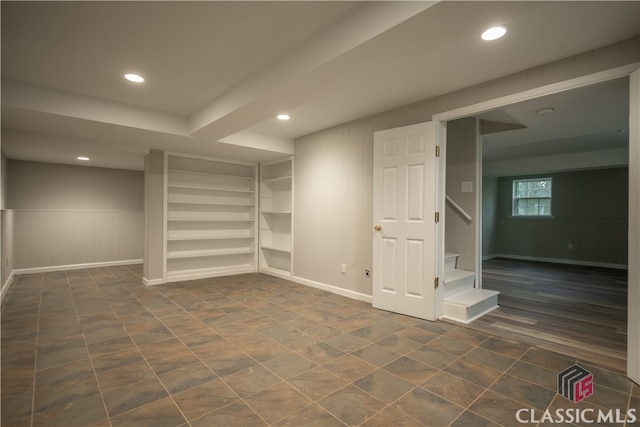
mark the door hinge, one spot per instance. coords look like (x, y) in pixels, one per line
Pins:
(437, 217)
(437, 151)
(436, 283)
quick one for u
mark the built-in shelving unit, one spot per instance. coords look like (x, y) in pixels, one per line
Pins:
(276, 211)
(210, 218)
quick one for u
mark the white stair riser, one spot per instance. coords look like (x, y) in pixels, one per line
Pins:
(453, 287)
(450, 261)
(466, 314)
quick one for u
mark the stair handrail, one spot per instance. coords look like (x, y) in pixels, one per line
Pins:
(458, 208)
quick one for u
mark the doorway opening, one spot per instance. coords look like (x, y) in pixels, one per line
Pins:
(491, 116)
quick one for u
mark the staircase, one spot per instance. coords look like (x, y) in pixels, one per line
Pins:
(462, 301)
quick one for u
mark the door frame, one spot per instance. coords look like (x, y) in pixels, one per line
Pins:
(632, 71)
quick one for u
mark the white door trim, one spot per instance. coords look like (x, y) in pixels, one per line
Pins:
(632, 71)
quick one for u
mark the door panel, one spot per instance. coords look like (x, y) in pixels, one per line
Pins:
(405, 171)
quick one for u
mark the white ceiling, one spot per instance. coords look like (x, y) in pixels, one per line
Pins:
(217, 73)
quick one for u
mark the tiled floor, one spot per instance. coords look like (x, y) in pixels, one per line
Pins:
(97, 348)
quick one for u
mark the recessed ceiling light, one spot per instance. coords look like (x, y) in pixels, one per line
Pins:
(494, 33)
(544, 110)
(136, 78)
(83, 158)
(283, 117)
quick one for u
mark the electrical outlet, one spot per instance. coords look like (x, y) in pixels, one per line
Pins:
(343, 268)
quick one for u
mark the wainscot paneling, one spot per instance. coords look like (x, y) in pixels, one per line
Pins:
(46, 238)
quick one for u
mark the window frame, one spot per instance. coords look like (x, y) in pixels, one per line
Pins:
(514, 213)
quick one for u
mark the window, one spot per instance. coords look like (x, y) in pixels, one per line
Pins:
(532, 197)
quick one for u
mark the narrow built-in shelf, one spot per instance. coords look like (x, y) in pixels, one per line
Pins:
(175, 202)
(209, 174)
(209, 188)
(277, 179)
(210, 219)
(276, 215)
(207, 253)
(277, 212)
(205, 237)
(273, 248)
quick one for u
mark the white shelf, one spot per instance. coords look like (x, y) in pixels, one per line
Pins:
(171, 202)
(210, 174)
(185, 238)
(207, 253)
(274, 248)
(208, 188)
(210, 218)
(278, 179)
(276, 211)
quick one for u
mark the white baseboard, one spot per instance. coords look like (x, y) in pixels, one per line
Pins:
(334, 289)
(152, 282)
(560, 261)
(70, 267)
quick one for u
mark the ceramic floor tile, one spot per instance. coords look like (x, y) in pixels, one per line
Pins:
(473, 372)
(186, 377)
(161, 413)
(392, 417)
(468, 418)
(500, 409)
(46, 398)
(317, 383)
(251, 380)
(88, 411)
(524, 391)
(255, 350)
(349, 367)
(428, 408)
(229, 361)
(351, 405)
(277, 402)
(205, 398)
(310, 416)
(289, 365)
(410, 370)
(133, 395)
(235, 415)
(453, 389)
(384, 385)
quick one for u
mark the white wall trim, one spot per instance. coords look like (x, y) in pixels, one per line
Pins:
(559, 261)
(562, 86)
(69, 267)
(334, 289)
(6, 287)
(152, 282)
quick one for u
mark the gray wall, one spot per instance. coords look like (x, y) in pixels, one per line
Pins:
(35, 185)
(333, 176)
(66, 215)
(489, 216)
(589, 212)
(462, 152)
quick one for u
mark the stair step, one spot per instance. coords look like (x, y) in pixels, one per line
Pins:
(467, 306)
(450, 261)
(457, 281)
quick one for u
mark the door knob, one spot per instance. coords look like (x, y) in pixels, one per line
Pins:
(377, 227)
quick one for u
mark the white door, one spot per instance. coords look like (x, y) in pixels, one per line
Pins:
(404, 206)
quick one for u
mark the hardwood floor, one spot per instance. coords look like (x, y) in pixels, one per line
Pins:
(574, 310)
